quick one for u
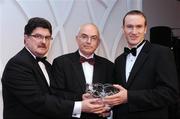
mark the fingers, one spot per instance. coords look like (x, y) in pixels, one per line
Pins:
(93, 106)
(96, 106)
(105, 114)
(98, 110)
(100, 107)
(86, 96)
(118, 87)
(118, 98)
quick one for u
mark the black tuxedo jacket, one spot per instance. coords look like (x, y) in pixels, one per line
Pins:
(70, 79)
(152, 84)
(26, 94)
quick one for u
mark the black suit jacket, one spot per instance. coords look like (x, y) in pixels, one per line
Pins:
(26, 94)
(152, 84)
(70, 79)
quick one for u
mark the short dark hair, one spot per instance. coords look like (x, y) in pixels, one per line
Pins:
(35, 22)
(135, 12)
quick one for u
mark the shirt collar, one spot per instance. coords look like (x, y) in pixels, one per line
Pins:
(81, 54)
(31, 52)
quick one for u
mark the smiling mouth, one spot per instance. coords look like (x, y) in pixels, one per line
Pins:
(88, 47)
(133, 37)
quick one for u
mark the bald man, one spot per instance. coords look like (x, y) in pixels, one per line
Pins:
(75, 70)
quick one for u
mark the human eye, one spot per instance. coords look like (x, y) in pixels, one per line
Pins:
(48, 38)
(38, 36)
(94, 38)
(139, 26)
(129, 26)
(84, 36)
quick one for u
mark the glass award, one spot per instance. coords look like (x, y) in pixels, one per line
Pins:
(98, 90)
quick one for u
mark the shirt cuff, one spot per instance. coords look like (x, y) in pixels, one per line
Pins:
(77, 109)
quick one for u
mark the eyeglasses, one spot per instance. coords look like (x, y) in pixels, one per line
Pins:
(85, 37)
(41, 37)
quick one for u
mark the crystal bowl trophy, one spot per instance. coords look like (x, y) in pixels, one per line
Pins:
(98, 90)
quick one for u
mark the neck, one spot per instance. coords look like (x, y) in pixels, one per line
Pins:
(86, 56)
(138, 45)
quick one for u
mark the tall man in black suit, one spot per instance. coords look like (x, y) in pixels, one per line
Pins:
(146, 75)
(72, 72)
(26, 77)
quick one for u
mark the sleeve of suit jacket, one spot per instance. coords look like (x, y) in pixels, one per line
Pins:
(61, 71)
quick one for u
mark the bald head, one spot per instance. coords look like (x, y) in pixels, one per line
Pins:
(88, 26)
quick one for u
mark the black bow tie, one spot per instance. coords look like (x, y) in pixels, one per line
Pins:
(90, 61)
(42, 59)
(132, 51)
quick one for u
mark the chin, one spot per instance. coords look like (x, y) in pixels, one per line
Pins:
(134, 42)
(42, 53)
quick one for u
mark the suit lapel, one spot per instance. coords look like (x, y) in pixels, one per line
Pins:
(39, 71)
(79, 71)
(139, 62)
(98, 70)
(36, 67)
(48, 69)
(122, 68)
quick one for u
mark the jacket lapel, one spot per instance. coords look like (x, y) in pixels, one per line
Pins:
(98, 70)
(122, 69)
(139, 62)
(79, 71)
(36, 68)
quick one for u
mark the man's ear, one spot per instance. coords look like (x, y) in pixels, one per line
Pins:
(25, 38)
(145, 30)
(99, 41)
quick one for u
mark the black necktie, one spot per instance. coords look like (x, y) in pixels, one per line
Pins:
(90, 61)
(132, 50)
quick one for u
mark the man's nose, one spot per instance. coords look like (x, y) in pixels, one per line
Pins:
(43, 40)
(134, 30)
(89, 40)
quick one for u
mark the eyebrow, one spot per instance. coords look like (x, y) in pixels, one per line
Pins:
(88, 35)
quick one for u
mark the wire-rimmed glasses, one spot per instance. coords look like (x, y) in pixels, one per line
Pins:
(41, 37)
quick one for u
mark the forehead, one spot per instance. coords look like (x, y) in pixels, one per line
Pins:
(41, 30)
(89, 30)
(134, 19)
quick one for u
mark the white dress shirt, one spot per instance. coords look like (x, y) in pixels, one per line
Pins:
(87, 69)
(88, 73)
(43, 68)
(130, 60)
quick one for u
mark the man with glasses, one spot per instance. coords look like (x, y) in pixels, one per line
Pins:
(26, 77)
(74, 71)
